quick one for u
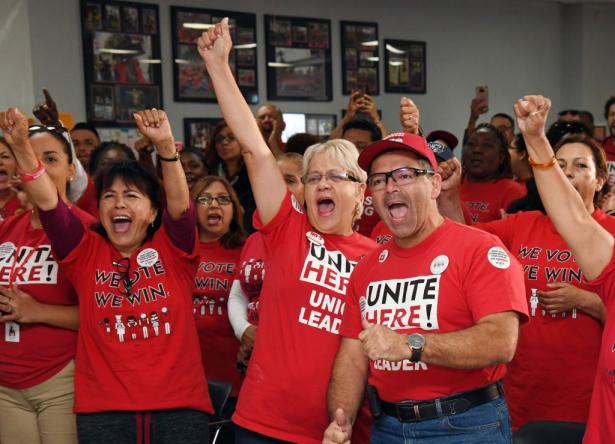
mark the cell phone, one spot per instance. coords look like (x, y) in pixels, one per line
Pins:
(361, 88)
(482, 97)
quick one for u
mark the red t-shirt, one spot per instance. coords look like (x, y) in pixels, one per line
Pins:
(33, 353)
(87, 201)
(212, 285)
(139, 352)
(381, 233)
(303, 299)
(11, 207)
(532, 390)
(370, 217)
(485, 199)
(601, 422)
(252, 272)
(608, 145)
(448, 282)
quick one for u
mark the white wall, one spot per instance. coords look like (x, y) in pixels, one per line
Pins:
(514, 47)
(16, 88)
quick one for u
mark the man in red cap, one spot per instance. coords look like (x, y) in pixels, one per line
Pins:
(431, 317)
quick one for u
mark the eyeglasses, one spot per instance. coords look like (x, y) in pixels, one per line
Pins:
(123, 268)
(207, 199)
(401, 176)
(314, 178)
(220, 139)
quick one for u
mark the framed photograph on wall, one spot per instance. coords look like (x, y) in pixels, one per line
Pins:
(405, 67)
(320, 124)
(191, 82)
(121, 53)
(197, 132)
(360, 57)
(298, 58)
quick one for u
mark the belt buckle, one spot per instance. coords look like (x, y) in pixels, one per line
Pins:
(417, 412)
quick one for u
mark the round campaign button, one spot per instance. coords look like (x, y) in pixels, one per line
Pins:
(147, 257)
(439, 264)
(315, 238)
(6, 249)
(498, 257)
(384, 254)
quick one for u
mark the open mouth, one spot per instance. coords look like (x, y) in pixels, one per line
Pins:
(121, 224)
(214, 218)
(325, 206)
(397, 210)
(3, 176)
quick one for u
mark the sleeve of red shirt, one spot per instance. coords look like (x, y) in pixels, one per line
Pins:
(514, 191)
(63, 228)
(604, 284)
(289, 219)
(503, 228)
(490, 289)
(351, 322)
(181, 231)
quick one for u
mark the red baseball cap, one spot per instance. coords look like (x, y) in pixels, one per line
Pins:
(447, 137)
(397, 141)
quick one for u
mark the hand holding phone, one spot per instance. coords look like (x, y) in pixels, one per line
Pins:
(481, 99)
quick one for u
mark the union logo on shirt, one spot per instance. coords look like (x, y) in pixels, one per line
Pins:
(403, 303)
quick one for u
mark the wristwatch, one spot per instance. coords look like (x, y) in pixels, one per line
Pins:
(416, 342)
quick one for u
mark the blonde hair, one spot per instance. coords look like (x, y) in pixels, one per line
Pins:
(346, 154)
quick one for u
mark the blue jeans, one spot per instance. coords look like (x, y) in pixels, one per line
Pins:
(485, 423)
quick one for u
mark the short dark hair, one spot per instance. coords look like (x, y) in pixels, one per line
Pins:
(298, 143)
(85, 126)
(365, 124)
(608, 105)
(134, 173)
(587, 114)
(507, 117)
(236, 235)
(103, 148)
(198, 153)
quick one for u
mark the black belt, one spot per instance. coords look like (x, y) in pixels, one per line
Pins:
(409, 411)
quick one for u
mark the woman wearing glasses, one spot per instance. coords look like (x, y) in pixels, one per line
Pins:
(224, 159)
(138, 368)
(221, 237)
(38, 307)
(311, 252)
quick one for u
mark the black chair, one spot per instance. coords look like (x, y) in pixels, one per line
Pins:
(219, 393)
(549, 432)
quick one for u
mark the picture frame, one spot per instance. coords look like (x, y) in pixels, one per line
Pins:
(127, 135)
(360, 57)
(121, 53)
(320, 125)
(191, 83)
(405, 66)
(197, 131)
(298, 58)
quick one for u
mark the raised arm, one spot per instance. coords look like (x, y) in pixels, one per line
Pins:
(591, 245)
(154, 124)
(267, 182)
(35, 181)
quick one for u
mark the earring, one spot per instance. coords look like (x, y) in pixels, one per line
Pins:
(152, 224)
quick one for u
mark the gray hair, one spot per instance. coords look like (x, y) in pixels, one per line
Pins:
(343, 152)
